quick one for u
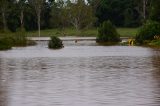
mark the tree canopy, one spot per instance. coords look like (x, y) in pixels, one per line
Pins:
(34, 14)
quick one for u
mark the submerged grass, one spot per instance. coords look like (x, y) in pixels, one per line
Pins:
(18, 39)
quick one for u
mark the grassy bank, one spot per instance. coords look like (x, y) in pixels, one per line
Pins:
(124, 32)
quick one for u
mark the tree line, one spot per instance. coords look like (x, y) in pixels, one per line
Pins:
(80, 14)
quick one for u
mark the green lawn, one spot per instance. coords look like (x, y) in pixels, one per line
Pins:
(65, 32)
(127, 32)
(124, 32)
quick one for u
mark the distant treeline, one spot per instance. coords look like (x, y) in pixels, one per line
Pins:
(79, 14)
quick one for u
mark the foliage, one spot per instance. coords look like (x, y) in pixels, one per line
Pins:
(74, 13)
(37, 5)
(6, 43)
(80, 14)
(147, 32)
(9, 40)
(155, 10)
(107, 33)
(3, 9)
(155, 43)
(59, 14)
(120, 12)
(19, 39)
(55, 43)
(66, 13)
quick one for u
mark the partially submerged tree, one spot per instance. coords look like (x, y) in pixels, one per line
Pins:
(107, 33)
(147, 32)
(55, 43)
(37, 5)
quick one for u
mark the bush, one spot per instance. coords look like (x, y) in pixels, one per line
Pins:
(107, 33)
(20, 39)
(154, 43)
(55, 43)
(6, 43)
(147, 32)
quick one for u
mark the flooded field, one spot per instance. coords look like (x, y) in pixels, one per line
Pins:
(81, 74)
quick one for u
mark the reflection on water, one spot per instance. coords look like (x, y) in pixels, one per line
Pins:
(156, 74)
(80, 75)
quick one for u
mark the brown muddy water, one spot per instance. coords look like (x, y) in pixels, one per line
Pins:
(81, 74)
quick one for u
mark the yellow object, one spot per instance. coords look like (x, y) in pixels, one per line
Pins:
(131, 42)
(157, 37)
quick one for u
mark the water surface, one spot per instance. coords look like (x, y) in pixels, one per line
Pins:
(81, 74)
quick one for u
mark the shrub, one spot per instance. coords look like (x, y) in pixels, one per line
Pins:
(55, 43)
(20, 39)
(147, 32)
(154, 43)
(107, 33)
(6, 43)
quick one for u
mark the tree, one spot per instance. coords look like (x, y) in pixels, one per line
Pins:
(155, 10)
(114, 10)
(107, 33)
(95, 4)
(4, 7)
(80, 14)
(147, 32)
(59, 14)
(46, 14)
(143, 7)
(37, 5)
(55, 43)
(21, 7)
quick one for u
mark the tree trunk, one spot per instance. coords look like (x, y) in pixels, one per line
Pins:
(39, 23)
(21, 19)
(4, 21)
(144, 9)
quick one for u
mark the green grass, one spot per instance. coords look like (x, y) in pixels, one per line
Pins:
(9, 40)
(154, 43)
(127, 32)
(124, 32)
(65, 32)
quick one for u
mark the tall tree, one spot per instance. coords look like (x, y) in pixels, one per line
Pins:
(143, 7)
(120, 12)
(59, 13)
(37, 5)
(3, 9)
(21, 7)
(155, 10)
(80, 14)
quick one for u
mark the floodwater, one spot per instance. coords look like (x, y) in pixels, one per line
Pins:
(81, 74)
